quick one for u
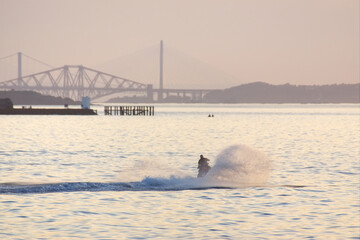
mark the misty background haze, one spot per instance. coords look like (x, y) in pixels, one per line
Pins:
(207, 43)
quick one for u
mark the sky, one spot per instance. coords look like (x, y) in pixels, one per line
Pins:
(207, 43)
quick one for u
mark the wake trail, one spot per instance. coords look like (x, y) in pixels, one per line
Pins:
(155, 185)
(148, 184)
(237, 166)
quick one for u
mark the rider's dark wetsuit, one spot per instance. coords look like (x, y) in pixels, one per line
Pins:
(203, 166)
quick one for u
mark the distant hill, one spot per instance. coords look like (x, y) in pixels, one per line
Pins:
(34, 98)
(260, 92)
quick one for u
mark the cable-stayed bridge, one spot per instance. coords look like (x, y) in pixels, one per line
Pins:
(77, 81)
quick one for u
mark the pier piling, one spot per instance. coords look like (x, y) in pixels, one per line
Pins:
(129, 110)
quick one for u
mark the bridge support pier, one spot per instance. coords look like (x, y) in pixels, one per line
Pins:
(150, 93)
(19, 70)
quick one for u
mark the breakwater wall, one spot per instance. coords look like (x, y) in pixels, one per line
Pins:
(47, 111)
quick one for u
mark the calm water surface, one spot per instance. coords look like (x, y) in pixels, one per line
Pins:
(129, 177)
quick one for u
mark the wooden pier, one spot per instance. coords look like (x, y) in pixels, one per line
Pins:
(129, 110)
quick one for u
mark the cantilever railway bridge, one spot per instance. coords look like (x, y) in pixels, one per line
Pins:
(77, 81)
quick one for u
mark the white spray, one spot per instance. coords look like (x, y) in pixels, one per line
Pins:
(239, 165)
(235, 166)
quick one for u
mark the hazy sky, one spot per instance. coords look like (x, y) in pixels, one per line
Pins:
(275, 41)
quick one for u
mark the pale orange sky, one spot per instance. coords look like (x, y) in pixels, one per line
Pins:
(222, 43)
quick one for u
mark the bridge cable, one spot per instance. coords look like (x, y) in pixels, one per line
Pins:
(38, 61)
(2, 58)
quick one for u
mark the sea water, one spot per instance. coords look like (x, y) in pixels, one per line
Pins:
(278, 172)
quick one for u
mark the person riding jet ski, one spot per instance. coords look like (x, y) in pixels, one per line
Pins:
(203, 166)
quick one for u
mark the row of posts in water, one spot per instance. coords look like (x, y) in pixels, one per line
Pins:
(129, 110)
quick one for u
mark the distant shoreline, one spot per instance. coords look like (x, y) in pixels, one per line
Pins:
(251, 93)
(34, 98)
(264, 93)
(260, 92)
